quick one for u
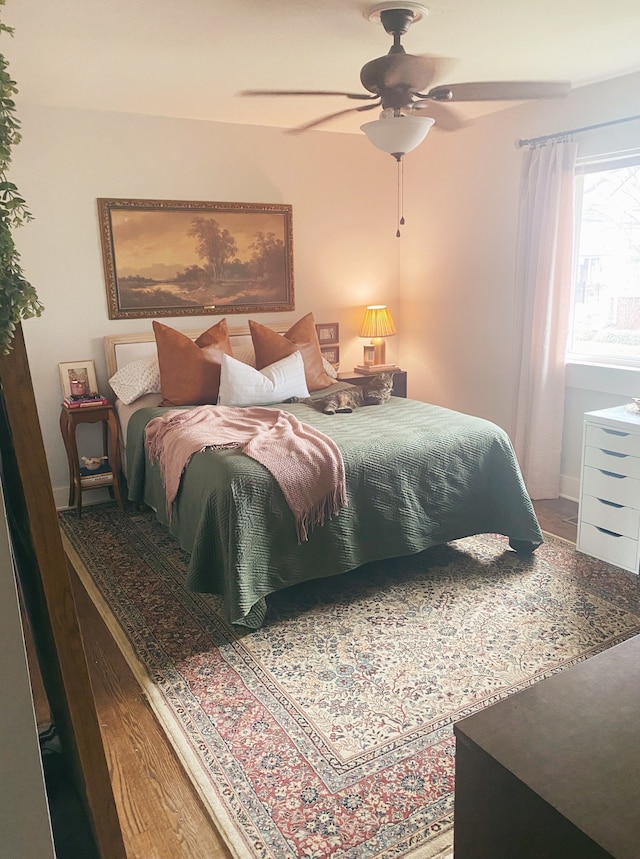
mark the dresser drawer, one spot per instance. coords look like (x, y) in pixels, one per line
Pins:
(618, 550)
(610, 460)
(613, 517)
(620, 490)
(608, 438)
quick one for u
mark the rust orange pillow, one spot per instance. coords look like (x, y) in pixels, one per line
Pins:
(190, 369)
(302, 337)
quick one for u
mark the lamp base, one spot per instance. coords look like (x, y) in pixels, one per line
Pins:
(372, 369)
(374, 354)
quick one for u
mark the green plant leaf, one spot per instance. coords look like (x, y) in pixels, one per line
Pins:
(18, 298)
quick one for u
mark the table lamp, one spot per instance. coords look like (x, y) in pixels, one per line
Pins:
(377, 324)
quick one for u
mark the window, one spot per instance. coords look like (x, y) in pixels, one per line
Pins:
(605, 318)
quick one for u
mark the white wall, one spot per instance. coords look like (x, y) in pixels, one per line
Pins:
(457, 270)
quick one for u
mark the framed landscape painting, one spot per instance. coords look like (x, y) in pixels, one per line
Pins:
(177, 258)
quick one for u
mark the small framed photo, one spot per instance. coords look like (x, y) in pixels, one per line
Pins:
(331, 354)
(369, 355)
(78, 379)
(328, 333)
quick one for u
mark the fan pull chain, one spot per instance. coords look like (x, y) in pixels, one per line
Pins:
(400, 195)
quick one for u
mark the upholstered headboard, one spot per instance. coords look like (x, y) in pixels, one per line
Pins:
(121, 349)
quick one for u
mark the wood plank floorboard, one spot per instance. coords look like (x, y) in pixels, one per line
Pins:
(161, 814)
(558, 517)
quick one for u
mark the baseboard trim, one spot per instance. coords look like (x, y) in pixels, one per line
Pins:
(569, 488)
(94, 496)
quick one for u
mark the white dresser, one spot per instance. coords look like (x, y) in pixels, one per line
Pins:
(609, 513)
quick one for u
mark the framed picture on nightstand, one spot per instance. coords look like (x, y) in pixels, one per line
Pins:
(331, 354)
(369, 354)
(78, 378)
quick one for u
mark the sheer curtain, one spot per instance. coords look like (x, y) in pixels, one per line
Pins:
(543, 283)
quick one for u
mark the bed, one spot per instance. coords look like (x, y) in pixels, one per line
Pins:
(417, 475)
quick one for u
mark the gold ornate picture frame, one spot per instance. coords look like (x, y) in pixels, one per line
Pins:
(181, 258)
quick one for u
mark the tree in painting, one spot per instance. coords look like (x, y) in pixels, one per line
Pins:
(267, 259)
(216, 246)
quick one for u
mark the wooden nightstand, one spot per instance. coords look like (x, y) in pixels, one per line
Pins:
(399, 381)
(78, 482)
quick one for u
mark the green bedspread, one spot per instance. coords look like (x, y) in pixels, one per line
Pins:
(417, 475)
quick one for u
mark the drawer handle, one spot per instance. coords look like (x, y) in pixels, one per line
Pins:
(611, 474)
(611, 503)
(614, 453)
(615, 432)
(609, 533)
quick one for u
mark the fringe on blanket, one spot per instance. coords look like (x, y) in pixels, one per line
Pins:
(325, 509)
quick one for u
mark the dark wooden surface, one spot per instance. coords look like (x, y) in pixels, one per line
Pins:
(552, 771)
(62, 657)
(498, 817)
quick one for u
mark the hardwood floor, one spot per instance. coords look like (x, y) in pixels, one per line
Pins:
(558, 517)
(160, 813)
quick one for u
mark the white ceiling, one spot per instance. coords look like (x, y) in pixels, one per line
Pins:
(190, 58)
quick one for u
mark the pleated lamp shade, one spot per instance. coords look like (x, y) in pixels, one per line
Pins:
(377, 324)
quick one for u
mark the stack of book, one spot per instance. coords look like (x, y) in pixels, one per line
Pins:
(102, 476)
(84, 402)
(371, 369)
(102, 468)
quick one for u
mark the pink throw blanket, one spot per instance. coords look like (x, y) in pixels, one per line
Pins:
(306, 463)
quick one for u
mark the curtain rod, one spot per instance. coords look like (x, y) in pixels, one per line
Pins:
(543, 139)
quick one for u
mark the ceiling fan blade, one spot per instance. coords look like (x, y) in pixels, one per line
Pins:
(499, 90)
(446, 118)
(408, 71)
(300, 128)
(253, 92)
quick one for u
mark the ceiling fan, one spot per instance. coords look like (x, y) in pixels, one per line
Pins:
(401, 83)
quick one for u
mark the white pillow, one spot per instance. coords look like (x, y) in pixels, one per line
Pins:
(242, 385)
(136, 379)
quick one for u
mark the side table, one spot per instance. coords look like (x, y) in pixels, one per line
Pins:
(69, 420)
(399, 381)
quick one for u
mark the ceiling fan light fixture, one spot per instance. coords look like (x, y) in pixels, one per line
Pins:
(397, 135)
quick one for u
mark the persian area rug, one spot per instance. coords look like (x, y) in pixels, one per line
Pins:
(328, 732)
